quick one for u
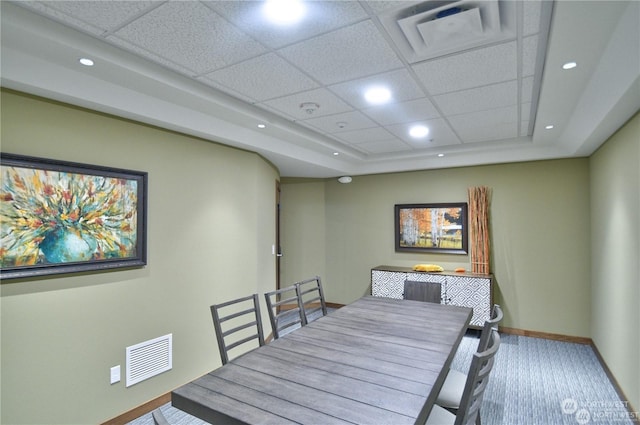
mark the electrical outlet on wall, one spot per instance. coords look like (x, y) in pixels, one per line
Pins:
(115, 374)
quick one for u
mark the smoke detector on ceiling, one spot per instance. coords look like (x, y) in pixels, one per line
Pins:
(309, 107)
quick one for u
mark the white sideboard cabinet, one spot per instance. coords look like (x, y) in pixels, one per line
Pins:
(462, 289)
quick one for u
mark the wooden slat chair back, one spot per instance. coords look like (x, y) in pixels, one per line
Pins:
(422, 291)
(285, 309)
(237, 322)
(477, 381)
(311, 297)
(475, 385)
(452, 390)
(496, 318)
(158, 417)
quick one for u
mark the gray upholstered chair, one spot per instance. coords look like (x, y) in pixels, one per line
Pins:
(452, 390)
(285, 309)
(237, 322)
(468, 411)
(311, 297)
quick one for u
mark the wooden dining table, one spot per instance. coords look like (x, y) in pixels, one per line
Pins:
(375, 361)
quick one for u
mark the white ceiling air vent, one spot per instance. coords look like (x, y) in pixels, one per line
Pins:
(436, 28)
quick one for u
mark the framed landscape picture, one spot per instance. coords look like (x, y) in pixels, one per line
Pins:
(64, 217)
(437, 228)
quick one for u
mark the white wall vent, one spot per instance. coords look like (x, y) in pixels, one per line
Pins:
(431, 29)
(148, 359)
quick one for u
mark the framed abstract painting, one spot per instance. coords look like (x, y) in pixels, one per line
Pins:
(63, 217)
(437, 228)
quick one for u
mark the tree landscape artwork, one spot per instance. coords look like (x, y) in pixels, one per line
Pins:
(61, 217)
(438, 228)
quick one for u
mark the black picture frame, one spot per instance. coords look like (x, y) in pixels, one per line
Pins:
(60, 217)
(418, 225)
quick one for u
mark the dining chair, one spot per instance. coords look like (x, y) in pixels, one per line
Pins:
(311, 297)
(158, 417)
(422, 291)
(452, 391)
(237, 322)
(285, 309)
(468, 412)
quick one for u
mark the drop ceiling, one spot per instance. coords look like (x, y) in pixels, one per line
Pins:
(484, 76)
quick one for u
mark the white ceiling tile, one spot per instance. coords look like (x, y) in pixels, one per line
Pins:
(496, 124)
(413, 110)
(375, 134)
(399, 82)
(474, 94)
(474, 68)
(226, 90)
(524, 129)
(525, 111)
(329, 104)
(529, 53)
(344, 54)
(354, 121)
(385, 5)
(265, 77)
(44, 9)
(478, 99)
(320, 17)
(527, 89)
(439, 133)
(386, 146)
(150, 56)
(192, 35)
(531, 17)
(94, 15)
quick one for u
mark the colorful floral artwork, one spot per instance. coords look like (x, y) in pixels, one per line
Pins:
(52, 215)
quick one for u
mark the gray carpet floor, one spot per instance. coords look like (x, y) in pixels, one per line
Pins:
(534, 382)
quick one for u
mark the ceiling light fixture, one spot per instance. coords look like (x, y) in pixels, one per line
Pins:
(86, 61)
(549, 127)
(418, 131)
(569, 65)
(336, 153)
(262, 126)
(345, 179)
(440, 155)
(377, 95)
(284, 12)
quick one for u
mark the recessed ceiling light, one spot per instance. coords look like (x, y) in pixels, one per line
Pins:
(86, 61)
(261, 126)
(440, 155)
(284, 12)
(418, 131)
(377, 95)
(549, 127)
(569, 65)
(336, 153)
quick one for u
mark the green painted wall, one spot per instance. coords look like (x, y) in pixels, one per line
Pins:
(615, 248)
(539, 229)
(211, 224)
(303, 231)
